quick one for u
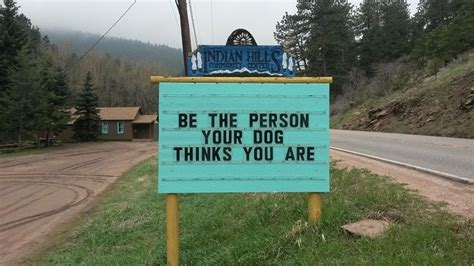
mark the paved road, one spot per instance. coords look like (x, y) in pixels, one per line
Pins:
(448, 155)
(40, 191)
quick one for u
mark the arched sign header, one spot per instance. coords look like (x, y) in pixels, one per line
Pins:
(241, 56)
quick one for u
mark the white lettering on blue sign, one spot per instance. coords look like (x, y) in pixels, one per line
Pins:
(242, 59)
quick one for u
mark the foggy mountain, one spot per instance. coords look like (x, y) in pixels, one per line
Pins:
(133, 50)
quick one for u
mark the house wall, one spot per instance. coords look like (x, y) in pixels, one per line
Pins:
(113, 135)
(155, 131)
(142, 131)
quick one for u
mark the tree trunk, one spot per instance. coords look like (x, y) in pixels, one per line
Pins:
(324, 62)
(20, 129)
(47, 138)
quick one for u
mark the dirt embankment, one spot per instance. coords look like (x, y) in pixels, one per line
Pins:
(441, 105)
(459, 197)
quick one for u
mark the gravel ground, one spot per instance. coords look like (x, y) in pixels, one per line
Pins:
(40, 191)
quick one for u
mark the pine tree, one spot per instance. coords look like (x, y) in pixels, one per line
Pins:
(321, 34)
(62, 100)
(22, 102)
(395, 18)
(383, 29)
(446, 41)
(13, 38)
(57, 95)
(433, 13)
(331, 43)
(86, 126)
(47, 90)
(30, 99)
(21, 98)
(369, 33)
(291, 32)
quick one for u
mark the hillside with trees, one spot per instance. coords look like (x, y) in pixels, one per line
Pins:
(377, 51)
(74, 42)
(120, 68)
(117, 82)
(41, 81)
(440, 104)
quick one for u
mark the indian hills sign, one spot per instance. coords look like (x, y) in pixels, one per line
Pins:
(224, 60)
(241, 56)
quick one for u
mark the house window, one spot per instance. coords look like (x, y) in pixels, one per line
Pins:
(120, 127)
(105, 128)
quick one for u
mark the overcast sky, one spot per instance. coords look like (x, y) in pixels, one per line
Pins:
(157, 20)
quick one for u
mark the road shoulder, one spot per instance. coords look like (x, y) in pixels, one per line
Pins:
(459, 198)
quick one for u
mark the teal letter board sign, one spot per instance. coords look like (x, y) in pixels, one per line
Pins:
(243, 137)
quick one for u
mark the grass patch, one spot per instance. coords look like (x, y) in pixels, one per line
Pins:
(128, 227)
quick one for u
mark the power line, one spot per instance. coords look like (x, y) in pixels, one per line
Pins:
(193, 23)
(103, 35)
(174, 14)
(212, 24)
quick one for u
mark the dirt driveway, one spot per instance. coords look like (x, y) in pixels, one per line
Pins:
(40, 191)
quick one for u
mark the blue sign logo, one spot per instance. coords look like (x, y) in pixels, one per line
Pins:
(241, 60)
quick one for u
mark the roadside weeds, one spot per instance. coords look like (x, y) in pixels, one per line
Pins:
(129, 226)
(458, 198)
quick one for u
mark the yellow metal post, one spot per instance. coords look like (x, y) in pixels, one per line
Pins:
(172, 230)
(314, 207)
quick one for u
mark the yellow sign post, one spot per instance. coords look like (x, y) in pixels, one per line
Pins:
(172, 229)
(314, 207)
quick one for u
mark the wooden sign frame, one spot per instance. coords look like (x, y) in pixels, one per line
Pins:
(314, 198)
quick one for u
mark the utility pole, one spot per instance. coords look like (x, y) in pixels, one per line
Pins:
(185, 35)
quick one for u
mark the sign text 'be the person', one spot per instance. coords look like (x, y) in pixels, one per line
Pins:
(267, 129)
(243, 137)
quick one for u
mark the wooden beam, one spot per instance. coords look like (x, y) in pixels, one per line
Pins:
(159, 79)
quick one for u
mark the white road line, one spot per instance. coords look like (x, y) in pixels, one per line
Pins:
(410, 166)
